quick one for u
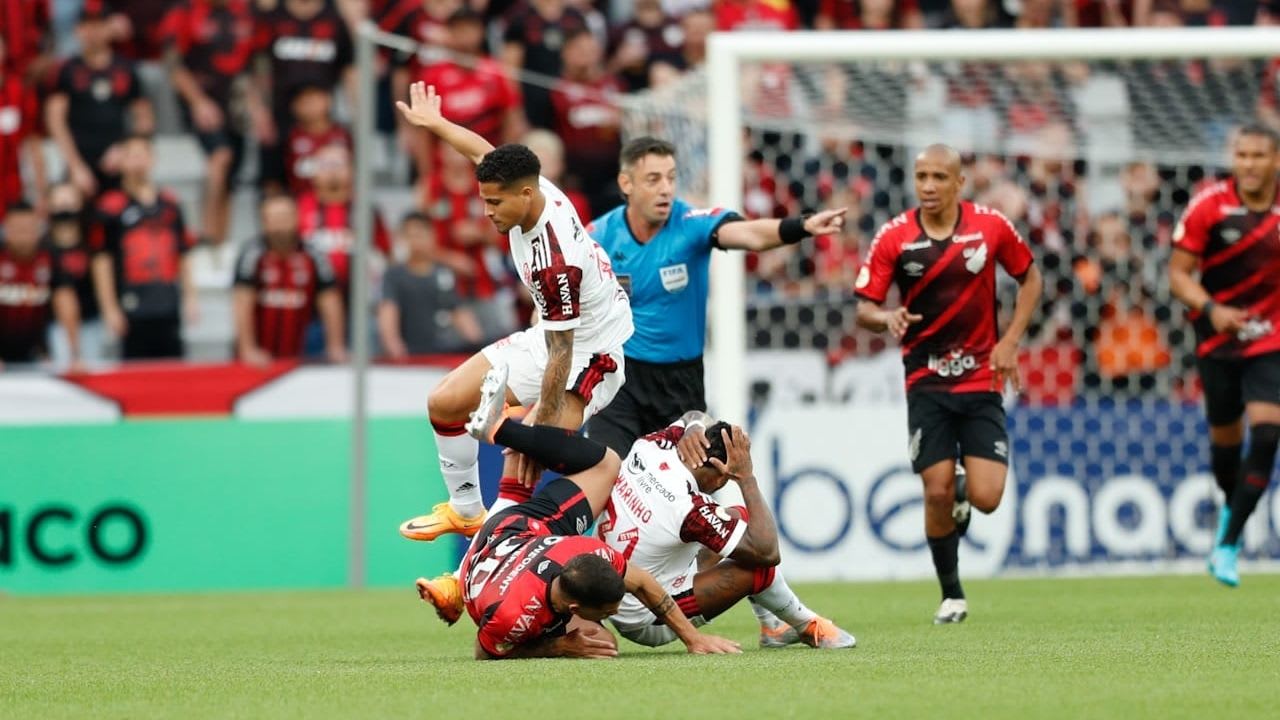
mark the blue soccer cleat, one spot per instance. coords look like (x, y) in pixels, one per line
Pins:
(1222, 565)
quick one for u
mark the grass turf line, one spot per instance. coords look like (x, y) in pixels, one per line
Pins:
(1160, 647)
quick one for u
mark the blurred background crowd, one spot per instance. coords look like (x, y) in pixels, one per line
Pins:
(176, 175)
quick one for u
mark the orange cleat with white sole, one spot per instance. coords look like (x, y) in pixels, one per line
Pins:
(823, 634)
(442, 521)
(445, 594)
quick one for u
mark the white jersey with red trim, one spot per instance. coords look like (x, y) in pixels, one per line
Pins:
(659, 520)
(570, 277)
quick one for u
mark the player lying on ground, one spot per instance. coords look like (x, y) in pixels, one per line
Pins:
(532, 583)
(661, 517)
(942, 257)
(569, 365)
(1231, 234)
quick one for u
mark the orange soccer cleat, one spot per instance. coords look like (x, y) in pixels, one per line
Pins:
(823, 634)
(445, 594)
(442, 520)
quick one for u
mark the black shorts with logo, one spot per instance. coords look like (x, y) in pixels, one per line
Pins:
(654, 396)
(944, 426)
(1229, 383)
(560, 504)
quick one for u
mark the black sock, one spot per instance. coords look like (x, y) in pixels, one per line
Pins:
(946, 562)
(1224, 460)
(556, 449)
(1262, 456)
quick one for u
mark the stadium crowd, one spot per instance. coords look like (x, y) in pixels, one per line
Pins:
(265, 87)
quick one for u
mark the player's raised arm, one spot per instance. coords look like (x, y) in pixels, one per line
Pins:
(769, 233)
(647, 590)
(423, 110)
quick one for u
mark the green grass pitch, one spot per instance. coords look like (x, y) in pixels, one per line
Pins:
(1161, 647)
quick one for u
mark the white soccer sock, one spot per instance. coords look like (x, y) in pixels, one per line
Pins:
(763, 614)
(461, 471)
(782, 601)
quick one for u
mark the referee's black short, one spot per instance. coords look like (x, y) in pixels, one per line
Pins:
(654, 396)
(946, 425)
(1229, 383)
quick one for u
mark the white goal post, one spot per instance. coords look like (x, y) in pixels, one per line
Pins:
(727, 53)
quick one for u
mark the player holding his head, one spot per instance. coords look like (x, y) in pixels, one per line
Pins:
(534, 586)
(570, 364)
(942, 257)
(1230, 233)
(661, 247)
(664, 516)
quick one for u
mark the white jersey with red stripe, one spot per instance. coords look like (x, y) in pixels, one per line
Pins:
(659, 520)
(570, 277)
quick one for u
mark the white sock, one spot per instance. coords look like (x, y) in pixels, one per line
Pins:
(782, 601)
(461, 471)
(763, 614)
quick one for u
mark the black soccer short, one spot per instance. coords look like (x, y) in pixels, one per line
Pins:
(946, 425)
(560, 504)
(1230, 383)
(654, 396)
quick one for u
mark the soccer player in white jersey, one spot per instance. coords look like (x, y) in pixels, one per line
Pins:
(569, 365)
(661, 516)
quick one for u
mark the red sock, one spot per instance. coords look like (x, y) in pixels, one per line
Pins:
(761, 580)
(512, 489)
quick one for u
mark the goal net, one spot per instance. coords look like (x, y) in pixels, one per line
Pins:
(1092, 143)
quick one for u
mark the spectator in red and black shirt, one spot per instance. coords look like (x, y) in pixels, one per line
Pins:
(650, 36)
(475, 92)
(24, 28)
(304, 42)
(588, 120)
(31, 284)
(140, 269)
(868, 15)
(325, 216)
(19, 139)
(313, 130)
(66, 235)
(95, 101)
(942, 257)
(211, 43)
(280, 287)
(134, 28)
(535, 34)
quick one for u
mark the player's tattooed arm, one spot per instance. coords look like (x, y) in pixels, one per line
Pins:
(647, 590)
(551, 401)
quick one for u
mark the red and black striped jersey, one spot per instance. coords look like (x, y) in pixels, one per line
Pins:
(1239, 251)
(285, 287)
(216, 43)
(19, 118)
(506, 582)
(26, 294)
(951, 283)
(327, 228)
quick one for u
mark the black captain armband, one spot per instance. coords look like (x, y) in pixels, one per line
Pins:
(791, 229)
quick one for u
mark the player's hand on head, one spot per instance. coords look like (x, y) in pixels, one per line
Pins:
(692, 447)
(1004, 363)
(423, 108)
(738, 454)
(827, 222)
(703, 644)
(901, 319)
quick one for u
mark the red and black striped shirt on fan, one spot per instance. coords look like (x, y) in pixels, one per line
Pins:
(951, 283)
(285, 288)
(1239, 251)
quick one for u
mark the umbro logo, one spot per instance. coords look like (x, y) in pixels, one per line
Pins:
(914, 269)
(1230, 235)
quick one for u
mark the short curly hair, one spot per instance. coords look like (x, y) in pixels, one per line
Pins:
(507, 165)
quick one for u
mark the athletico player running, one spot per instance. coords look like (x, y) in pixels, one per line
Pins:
(660, 247)
(942, 257)
(533, 585)
(1229, 233)
(570, 364)
(661, 516)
